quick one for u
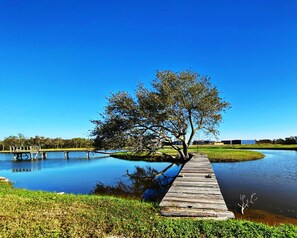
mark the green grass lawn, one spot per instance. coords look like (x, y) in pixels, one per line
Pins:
(214, 153)
(226, 154)
(26, 213)
(266, 146)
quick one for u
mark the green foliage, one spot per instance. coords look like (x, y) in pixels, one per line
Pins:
(144, 156)
(176, 105)
(45, 142)
(26, 213)
(287, 141)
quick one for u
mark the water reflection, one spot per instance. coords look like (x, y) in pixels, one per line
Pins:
(75, 175)
(25, 166)
(144, 183)
(22, 170)
(53, 160)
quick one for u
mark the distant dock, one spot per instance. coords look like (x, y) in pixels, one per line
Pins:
(195, 193)
(35, 152)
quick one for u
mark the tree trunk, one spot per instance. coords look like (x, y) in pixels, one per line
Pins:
(185, 151)
(181, 155)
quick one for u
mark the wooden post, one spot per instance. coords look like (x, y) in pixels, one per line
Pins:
(66, 155)
(88, 154)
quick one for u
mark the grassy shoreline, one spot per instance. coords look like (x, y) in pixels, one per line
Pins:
(224, 153)
(42, 214)
(214, 153)
(264, 147)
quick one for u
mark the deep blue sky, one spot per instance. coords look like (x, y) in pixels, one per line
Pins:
(60, 59)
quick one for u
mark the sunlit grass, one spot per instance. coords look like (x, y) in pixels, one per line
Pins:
(25, 213)
(214, 153)
(267, 146)
(220, 153)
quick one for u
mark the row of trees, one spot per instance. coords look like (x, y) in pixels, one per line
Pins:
(45, 142)
(287, 141)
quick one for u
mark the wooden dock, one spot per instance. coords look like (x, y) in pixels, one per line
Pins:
(35, 152)
(195, 193)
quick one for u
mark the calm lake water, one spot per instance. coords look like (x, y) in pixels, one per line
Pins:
(273, 179)
(75, 175)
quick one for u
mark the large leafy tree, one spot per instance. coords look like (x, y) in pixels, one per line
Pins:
(175, 108)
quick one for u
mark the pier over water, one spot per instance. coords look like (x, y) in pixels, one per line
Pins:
(35, 152)
(195, 193)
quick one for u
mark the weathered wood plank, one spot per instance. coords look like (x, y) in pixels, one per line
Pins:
(195, 193)
(195, 183)
(195, 165)
(198, 165)
(196, 205)
(197, 174)
(195, 179)
(194, 190)
(200, 213)
(195, 196)
(195, 200)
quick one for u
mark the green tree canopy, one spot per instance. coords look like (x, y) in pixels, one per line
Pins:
(175, 107)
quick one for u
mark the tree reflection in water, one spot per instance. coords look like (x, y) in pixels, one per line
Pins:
(145, 183)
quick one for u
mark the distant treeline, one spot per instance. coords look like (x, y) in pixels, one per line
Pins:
(45, 142)
(287, 141)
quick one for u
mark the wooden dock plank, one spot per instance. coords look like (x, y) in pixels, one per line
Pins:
(206, 206)
(194, 179)
(181, 196)
(195, 193)
(197, 213)
(195, 183)
(193, 190)
(216, 200)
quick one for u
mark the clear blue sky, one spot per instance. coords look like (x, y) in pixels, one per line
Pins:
(60, 59)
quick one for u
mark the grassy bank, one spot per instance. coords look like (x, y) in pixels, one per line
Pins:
(156, 157)
(214, 153)
(226, 154)
(265, 146)
(26, 213)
